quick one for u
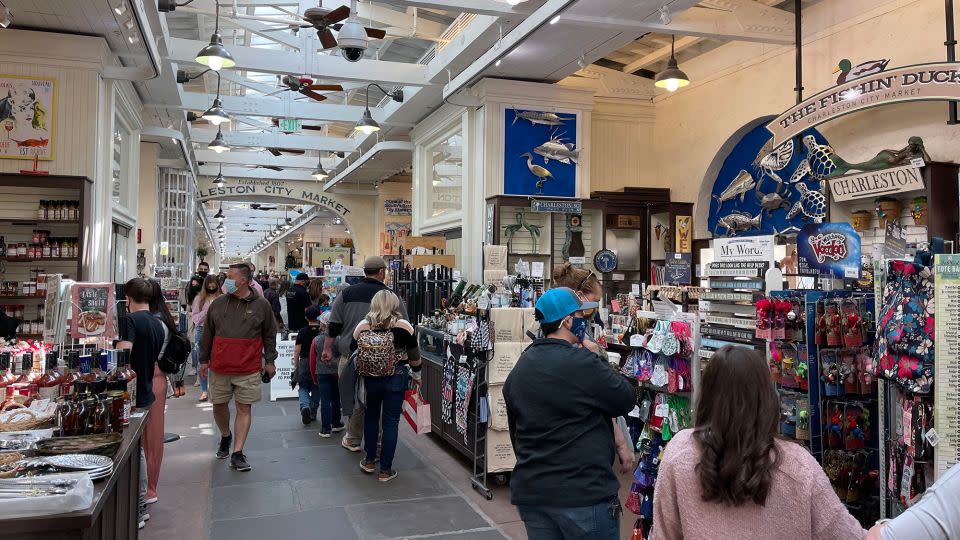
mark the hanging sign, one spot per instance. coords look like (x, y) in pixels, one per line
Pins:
(677, 268)
(290, 125)
(684, 234)
(894, 241)
(870, 184)
(832, 248)
(560, 207)
(946, 270)
(921, 82)
(252, 188)
(746, 248)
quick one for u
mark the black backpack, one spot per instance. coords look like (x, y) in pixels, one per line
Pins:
(175, 352)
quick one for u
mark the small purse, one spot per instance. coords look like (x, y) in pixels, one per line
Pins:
(655, 343)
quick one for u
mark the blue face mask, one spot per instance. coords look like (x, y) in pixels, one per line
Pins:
(230, 285)
(579, 328)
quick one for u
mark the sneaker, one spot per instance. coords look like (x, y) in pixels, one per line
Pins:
(145, 516)
(238, 461)
(141, 524)
(350, 447)
(223, 451)
(305, 416)
(324, 434)
(151, 500)
(338, 429)
(386, 476)
(368, 467)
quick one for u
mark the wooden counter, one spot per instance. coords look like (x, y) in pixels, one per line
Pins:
(111, 516)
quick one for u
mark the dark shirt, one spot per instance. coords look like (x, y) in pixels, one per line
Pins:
(350, 307)
(274, 298)
(560, 400)
(298, 299)
(305, 340)
(145, 331)
(402, 339)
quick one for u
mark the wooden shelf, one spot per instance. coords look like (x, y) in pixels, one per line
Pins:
(42, 259)
(528, 255)
(28, 222)
(22, 297)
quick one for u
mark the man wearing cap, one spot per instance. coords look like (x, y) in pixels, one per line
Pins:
(349, 308)
(560, 398)
(297, 301)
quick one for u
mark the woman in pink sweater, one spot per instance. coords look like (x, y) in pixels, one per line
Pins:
(731, 477)
(198, 314)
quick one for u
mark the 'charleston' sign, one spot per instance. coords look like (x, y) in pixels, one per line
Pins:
(875, 183)
(922, 82)
(249, 189)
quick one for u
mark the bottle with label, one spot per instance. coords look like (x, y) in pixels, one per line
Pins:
(55, 248)
(85, 366)
(48, 384)
(24, 389)
(100, 415)
(6, 376)
(70, 375)
(120, 382)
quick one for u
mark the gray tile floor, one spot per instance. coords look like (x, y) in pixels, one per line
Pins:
(303, 486)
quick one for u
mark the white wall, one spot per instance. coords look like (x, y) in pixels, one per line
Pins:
(147, 206)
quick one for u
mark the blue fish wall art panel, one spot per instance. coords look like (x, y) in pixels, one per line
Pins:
(540, 153)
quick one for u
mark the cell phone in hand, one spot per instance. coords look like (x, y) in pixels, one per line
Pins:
(264, 376)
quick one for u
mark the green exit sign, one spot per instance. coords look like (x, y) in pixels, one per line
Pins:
(290, 125)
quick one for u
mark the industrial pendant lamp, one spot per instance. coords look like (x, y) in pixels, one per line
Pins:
(219, 145)
(219, 215)
(214, 55)
(219, 182)
(215, 114)
(367, 124)
(671, 78)
(320, 173)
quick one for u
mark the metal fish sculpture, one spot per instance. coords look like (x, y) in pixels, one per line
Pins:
(738, 188)
(738, 222)
(558, 150)
(540, 117)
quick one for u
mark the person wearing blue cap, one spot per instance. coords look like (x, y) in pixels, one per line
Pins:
(560, 398)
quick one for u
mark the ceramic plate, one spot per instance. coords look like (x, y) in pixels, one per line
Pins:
(87, 462)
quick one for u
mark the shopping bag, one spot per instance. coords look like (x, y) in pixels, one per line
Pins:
(416, 411)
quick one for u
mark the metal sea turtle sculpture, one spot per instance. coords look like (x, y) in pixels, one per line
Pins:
(812, 204)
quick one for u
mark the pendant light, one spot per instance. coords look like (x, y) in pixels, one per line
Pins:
(216, 115)
(215, 55)
(320, 173)
(367, 124)
(219, 215)
(671, 78)
(218, 145)
(219, 182)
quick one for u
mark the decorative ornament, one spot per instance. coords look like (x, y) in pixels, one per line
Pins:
(605, 261)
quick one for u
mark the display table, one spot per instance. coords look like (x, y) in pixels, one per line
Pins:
(113, 513)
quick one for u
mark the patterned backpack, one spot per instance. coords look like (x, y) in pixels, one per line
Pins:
(376, 355)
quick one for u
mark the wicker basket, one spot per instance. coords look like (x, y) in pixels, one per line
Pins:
(888, 209)
(25, 419)
(8, 459)
(861, 220)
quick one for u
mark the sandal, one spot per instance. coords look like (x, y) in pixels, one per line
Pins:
(203, 396)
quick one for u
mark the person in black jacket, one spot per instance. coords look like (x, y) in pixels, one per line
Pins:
(560, 398)
(298, 299)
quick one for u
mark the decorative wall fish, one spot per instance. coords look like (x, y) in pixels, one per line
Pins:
(737, 222)
(542, 118)
(738, 188)
(558, 150)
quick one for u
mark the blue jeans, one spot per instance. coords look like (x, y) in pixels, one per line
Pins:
(384, 393)
(597, 522)
(197, 334)
(330, 416)
(309, 398)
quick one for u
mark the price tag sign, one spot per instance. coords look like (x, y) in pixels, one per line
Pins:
(536, 269)
(662, 410)
(456, 275)
(635, 289)
(917, 162)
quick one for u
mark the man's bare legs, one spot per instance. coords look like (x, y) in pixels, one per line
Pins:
(241, 426)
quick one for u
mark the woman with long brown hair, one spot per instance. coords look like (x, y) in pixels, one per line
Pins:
(198, 315)
(732, 477)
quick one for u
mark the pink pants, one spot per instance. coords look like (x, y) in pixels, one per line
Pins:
(152, 440)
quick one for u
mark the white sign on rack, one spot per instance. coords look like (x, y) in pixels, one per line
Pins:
(280, 383)
(947, 367)
(747, 248)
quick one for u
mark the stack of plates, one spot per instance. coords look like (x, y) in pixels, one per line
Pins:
(96, 466)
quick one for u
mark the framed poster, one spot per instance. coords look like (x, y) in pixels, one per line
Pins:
(396, 216)
(540, 153)
(27, 117)
(92, 310)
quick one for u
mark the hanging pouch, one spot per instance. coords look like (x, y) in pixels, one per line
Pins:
(670, 343)
(660, 377)
(655, 343)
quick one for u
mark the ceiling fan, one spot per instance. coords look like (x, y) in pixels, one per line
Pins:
(280, 151)
(271, 167)
(263, 207)
(323, 20)
(305, 86)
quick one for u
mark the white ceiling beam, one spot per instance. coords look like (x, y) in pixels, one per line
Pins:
(255, 158)
(737, 20)
(252, 122)
(232, 76)
(326, 66)
(269, 139)
(207, 7)
(546, 12)
(480, 7)
(233, 171)
(660, 54)
(280, 108)
(384, 146)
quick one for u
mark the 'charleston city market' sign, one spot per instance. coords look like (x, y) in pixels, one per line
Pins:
(921, 82)
(302, 191)
(875, 183)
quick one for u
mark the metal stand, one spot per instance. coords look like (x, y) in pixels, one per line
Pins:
(479, 478)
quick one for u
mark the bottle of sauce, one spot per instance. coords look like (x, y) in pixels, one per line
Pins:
(119, 380)
(6, 376)
(48, 384)
(24, 389)
(100, 416)
(81, 410)
(70, 375)
(131, 378)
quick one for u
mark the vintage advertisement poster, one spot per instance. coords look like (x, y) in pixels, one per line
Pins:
(27, 117)
(396, 214)
(92, 310)
(684, 235)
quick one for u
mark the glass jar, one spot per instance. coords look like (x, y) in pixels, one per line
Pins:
(55, 248)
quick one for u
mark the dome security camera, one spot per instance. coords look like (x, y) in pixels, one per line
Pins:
(352, 40)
